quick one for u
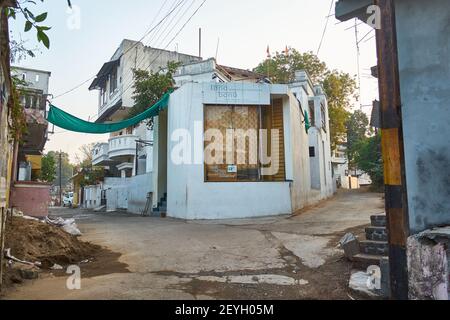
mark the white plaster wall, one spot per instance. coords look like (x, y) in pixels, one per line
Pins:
(301, 187)
(189, 197)
(92, 197)
(128, 193)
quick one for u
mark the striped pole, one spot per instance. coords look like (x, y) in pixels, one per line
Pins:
(393, 149)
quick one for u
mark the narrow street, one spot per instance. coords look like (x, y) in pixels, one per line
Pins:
(270, 258)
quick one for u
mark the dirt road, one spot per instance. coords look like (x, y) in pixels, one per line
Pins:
(271, 258)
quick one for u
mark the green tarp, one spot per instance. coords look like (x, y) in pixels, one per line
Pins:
(66, 121)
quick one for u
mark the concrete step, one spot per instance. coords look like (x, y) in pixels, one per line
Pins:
(379, 220)
(374, 247)
(159, 214)
(366, 260)
(377, 234)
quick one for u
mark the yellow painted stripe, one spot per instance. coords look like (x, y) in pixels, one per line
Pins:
(391, 157)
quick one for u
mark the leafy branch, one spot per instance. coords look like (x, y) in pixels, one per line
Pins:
(32, 21)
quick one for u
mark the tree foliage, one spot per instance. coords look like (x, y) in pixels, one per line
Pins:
(339, 87)
(281, 67)
(92, 174)
(66, 168)
(370, 160)
(84, 158)
(32, 21)
(357, 132)
(48, 171)
(149, 87)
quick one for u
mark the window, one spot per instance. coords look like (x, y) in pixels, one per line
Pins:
(323, 116)
(312, 113)
(244, 143)
(103, 95)
(312, 152)
(37, 78)
(113, 81)
(24, 77)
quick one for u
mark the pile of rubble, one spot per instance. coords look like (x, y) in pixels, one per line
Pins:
(33, 245)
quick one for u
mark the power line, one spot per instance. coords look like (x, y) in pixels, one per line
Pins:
(168, 44)
(358, 63)
(149, 31)
(360, 40)
(129, 74)
(326, 26)
(138, 64)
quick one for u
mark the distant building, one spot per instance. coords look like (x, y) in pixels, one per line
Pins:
(29, 194)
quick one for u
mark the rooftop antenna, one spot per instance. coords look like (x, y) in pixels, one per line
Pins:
(358, 63)
(200, 42)
(217, 48)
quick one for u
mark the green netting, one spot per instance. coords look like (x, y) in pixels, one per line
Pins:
(307, 122)
(66, 121)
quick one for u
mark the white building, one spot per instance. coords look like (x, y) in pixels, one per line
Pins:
(191, 187)
(128, 153)
(115, 84)
(186, 179)
(340, 166)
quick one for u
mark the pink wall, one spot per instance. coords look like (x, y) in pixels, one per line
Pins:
(32, 198)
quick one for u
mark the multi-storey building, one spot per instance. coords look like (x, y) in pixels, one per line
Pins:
(122, 155)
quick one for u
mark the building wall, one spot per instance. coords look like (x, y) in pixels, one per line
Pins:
(190, 197)
(424, 63)
(129, 193)
(320, 167)
(32, 198)
(146, 58)
(36, 79)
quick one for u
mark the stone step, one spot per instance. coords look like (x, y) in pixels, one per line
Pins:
(378, 220)
(159, 214)
(366, 260)
(374, 247)
(377, 234)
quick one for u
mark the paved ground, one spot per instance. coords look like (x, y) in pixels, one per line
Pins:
(271, 258)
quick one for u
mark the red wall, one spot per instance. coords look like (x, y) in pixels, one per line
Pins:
(32, 198)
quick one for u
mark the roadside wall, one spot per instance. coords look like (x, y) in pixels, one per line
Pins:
(128, 194)
(32, 198)
(424, 64)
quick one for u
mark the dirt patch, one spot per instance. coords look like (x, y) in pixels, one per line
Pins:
(328, 282)
(33, 241)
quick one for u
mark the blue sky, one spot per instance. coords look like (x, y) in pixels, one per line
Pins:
(245, 29)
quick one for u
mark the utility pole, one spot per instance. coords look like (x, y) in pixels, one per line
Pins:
(393, 149)
(60, 178)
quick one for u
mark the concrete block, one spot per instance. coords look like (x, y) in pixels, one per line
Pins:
(376, 234)
(428, 269)
(351, 246)
(362, 285)
(28, 274)
(385, 277)
(378, 220)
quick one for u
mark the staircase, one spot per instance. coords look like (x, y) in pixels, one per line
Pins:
(376, 246)
(161, 209)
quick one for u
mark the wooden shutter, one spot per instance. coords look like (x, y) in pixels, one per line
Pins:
(278, 124)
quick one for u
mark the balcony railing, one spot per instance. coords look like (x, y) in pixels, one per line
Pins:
(100, 154)
(110, 101)
(122, 146)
